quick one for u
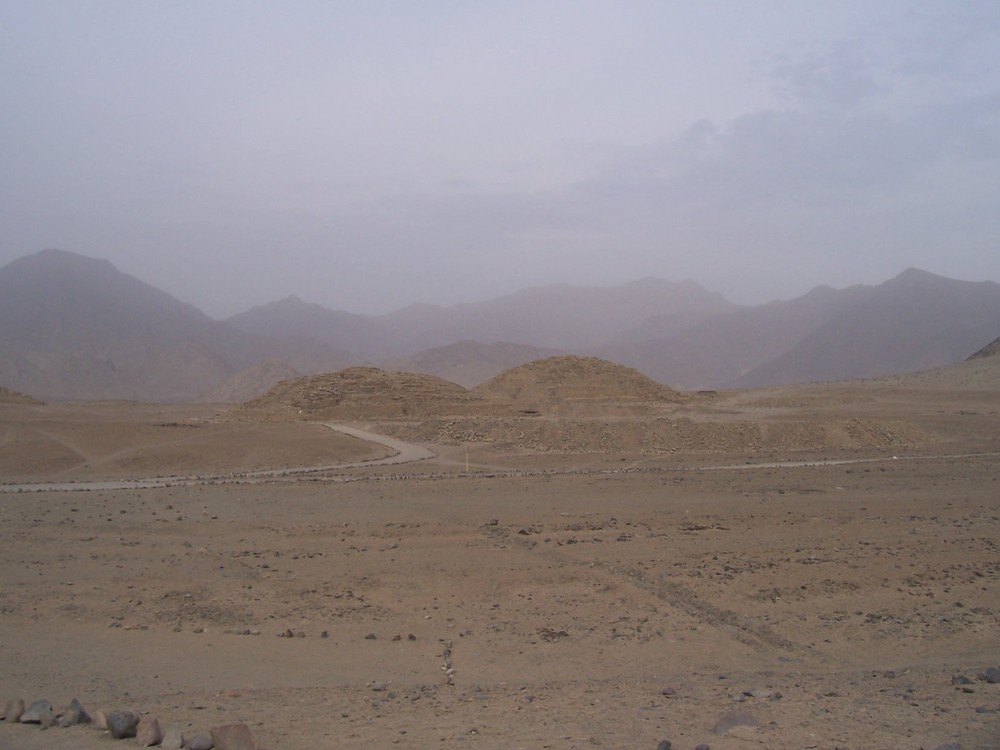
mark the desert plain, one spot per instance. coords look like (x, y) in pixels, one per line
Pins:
(811, 566)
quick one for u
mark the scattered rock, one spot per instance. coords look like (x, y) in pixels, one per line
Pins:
(960, 679)
(201, 741)
(101, 720)
(233, 737)
(949, 746)
(173, 738)
(13, 710)
(702, 746)
(37, 712)
(551, 635)
(122, 724)
(371, 637)
(992, 675)
(665, 745)
(148, 733)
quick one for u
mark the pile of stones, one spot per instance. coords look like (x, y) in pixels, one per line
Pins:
(125, 724)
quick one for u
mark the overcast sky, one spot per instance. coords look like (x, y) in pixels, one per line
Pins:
(367, 155)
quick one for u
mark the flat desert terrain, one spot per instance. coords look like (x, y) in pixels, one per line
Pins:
(809, 566)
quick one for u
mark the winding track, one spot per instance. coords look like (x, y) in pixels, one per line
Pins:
(404, 453)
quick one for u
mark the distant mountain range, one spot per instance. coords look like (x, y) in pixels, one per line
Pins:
(74, 328)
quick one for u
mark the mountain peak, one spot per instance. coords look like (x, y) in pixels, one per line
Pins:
(913, 276)
(59, 296)
(53, 260)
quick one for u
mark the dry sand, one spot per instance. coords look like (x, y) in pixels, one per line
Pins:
(611, 595)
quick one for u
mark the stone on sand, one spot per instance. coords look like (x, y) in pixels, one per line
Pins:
(201, 741)
(148, 733)
(122, 724)
(37, 712)
(13, 710)
(233, 737)
(173, 738)
(75, 714)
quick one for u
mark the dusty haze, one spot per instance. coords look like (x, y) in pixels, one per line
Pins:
(365, 157)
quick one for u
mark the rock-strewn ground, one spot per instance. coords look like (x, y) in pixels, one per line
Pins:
(546, 598)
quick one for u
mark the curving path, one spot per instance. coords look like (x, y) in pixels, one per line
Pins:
(404, 453)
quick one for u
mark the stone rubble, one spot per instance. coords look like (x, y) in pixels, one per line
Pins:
(127, 724)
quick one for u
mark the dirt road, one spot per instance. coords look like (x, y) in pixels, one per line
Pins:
(404, 453)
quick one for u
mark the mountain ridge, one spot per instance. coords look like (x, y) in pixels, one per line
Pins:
(73, 327)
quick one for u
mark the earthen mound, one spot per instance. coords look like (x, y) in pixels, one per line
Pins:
(362, 393)
(990, 350)
(7, 396)
(571, 382)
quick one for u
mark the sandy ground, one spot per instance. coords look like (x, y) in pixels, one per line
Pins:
(607, 599)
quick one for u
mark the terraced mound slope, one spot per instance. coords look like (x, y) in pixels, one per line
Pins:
(7, 396)
(990, 350)
(362, 393)
(570, 384)
(563, 405)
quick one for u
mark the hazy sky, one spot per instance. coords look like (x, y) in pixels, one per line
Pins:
(366, 155)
